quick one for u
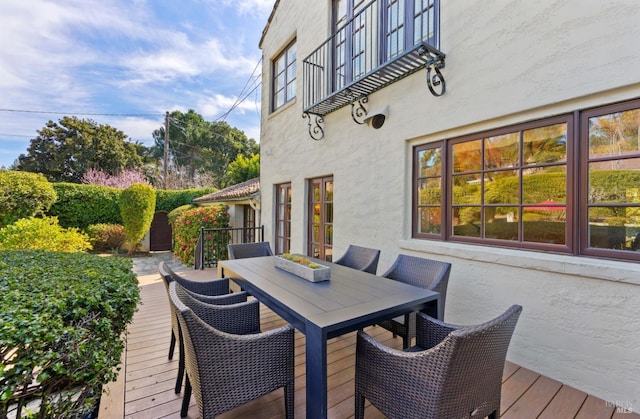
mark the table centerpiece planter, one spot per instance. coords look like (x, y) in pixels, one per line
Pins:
(303, 267)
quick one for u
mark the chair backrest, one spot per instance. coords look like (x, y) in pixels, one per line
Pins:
(210, 287)
(424, 273)
(237, 319)
(472, 370)
(361, 258)
(249, 250)
(165, 273)
(166, 280)
(194, 330)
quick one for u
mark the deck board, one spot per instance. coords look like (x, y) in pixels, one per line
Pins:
(146, 385)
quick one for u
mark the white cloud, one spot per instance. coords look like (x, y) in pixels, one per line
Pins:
(137, 128)
(250, 7)
(214, 106)
(184, 59)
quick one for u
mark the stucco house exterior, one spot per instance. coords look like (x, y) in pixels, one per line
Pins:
(499, 136)
(243, 200)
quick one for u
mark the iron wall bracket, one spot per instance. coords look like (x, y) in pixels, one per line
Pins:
(315, 128)
(434, 63)
(359, 111)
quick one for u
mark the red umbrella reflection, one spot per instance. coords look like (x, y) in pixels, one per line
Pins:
(548, 205)
(555, 211)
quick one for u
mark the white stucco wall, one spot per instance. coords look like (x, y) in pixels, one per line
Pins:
(507, 62)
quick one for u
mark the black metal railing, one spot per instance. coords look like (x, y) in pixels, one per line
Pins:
(378, 46)
(212, 243)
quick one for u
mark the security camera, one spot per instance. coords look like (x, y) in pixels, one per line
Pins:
(376, 117)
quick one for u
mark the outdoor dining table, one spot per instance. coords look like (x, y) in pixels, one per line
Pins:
(348, 301)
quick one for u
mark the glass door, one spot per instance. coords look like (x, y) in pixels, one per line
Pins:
(320, 241)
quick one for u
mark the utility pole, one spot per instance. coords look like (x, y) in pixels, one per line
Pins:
(166, 147)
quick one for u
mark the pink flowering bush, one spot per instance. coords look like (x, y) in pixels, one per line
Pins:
(186, 229)
(122, 180)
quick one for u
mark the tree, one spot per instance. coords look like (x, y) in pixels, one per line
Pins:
(200, 151)
(243, 168)
(65, 151)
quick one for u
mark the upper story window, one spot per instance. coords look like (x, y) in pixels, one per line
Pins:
(367, 34)
(372, 44)
(284, 76)
(567, 184)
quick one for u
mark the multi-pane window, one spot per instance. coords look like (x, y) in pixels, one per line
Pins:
(320, 242)
(283, 218)
(395, 27)
(611, 175)
(367, 34)
(284, 77)
(547, 185)
(249, 224)
(428, 194)
(510, 185)
(349, 41)
(424, 22)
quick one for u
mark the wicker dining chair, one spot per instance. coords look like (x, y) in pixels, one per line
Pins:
(249, 250)
(211, 287)
(452, 372)
(361, 258)
(420, 272)
(226, 370)
(176, 335)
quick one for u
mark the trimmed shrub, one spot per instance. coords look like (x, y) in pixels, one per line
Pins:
(105, 237)
(186, 229)
(42, 234)
(62, 318)
(82, 205)
(23, 194)
(137, 206)
(173, 215)
(168, 200)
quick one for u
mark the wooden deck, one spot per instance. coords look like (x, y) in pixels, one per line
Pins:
(146, 382)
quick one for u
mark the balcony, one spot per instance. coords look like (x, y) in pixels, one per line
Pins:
(381, 44)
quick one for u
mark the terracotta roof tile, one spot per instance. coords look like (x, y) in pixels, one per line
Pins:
(241, 190)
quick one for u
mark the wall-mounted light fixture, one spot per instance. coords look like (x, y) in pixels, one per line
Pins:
(376, 117)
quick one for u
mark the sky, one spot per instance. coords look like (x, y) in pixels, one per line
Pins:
(124, 63)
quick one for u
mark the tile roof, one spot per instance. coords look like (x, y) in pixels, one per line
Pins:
(245, 189)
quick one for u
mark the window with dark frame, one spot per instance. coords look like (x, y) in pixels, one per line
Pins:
(568, 184)
(399, 24)
(284, 77)
(320, 223)
(249, 224)
(283, 218)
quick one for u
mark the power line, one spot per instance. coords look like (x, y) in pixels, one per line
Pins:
(240, 98)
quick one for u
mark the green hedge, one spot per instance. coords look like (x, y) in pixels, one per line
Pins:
(168, 200)
(81, 205)
(23, 194)
(62, 318)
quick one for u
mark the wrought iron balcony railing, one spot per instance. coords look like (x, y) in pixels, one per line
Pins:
(381, 44)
